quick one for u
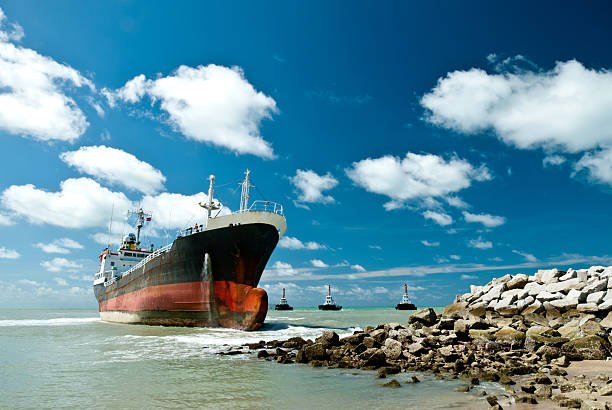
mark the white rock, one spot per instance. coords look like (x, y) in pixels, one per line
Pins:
(494, 293)
(587, 307)
(564, 286)
(546, 296)
(608, 295)
(582, 275)
(533, 288)
(529, 300)
(492, 304)
(564, 303)
(515, 293)
(610, 282)
(505, 303)
(596, 270)
(595, 297)
(571, 274)
(548, 275)
(605, 306)
(596, 286)
(576, 294)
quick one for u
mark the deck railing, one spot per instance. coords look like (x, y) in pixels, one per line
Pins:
(155, 254)
(265, 206)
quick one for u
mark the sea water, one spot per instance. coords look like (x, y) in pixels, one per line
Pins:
(69, 358)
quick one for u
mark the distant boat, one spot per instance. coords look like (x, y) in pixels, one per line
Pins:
(405, 304)
(329, 303)
(283, 305)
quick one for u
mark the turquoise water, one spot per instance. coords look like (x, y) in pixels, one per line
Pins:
(69, 358)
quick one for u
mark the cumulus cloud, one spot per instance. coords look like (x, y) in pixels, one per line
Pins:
(456, 202)
(427, 243)
(414, 177)
(552, 160)
(61, 265)
(468, 277)
(441, 219)
(34, 86)
(80, 203)
(5, 220)
(310, 186)
(318, 263)
(566, 109)
(598, 164)
(61, 246)
(61, 281)
(479, 243)
(290, 242)
(358, 268)
(529, 257)
(282, 269)
(455, 257)
(490, 221)
(377, 247)
(212, 104)
(115, 166)
(8, 253)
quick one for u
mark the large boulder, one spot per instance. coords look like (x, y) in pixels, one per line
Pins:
(315, 351)
(455, 311)
(425, 316)
(508, 335)
(392, 349)
(548, 275)
(586, 348)
(328, 339)
(372, 358)
(517, 282)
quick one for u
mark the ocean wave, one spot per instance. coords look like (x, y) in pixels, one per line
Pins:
(283, 318)
(61, 321)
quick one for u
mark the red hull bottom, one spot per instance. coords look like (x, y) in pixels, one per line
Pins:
(228, 304)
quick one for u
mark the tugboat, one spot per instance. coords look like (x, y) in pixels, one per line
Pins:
(283, 305)
(329, 303)
(405, 304)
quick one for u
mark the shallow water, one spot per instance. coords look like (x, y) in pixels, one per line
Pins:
(71, 359)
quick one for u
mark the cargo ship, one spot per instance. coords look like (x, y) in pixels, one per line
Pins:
(206, 277)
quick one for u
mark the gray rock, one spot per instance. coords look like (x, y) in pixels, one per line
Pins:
(517, 282)
(564, 286)
(593, 405)
(415, 348)
(503, 279)
(595, 297)
(582, 275)
(605, 306)
(569, 275)
(577, 294)
(533, 288)
(586, 348)
(392, 349)
(494, 293)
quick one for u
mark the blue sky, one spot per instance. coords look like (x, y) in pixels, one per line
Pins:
(436, 143)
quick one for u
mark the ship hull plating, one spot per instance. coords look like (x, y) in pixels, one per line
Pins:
(405, 306)
(179, 287)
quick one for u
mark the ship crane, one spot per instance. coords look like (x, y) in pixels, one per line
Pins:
(210, 205)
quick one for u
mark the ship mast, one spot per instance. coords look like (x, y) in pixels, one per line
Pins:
(405, 289)
(210, 205)
(244, 196)
(329, 290)
(140, 222)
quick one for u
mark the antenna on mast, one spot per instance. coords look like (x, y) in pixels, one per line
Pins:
(140, 222)
(210, 205)
(110, 225)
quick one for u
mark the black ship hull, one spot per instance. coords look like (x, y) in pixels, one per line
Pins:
(330, 307)
(177, 288)
(283, 307)
(405, 306)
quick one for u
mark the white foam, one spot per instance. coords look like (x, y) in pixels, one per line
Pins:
(289, 319)
(61, 321)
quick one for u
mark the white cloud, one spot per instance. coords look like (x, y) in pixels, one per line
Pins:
(567, 108)
(115, 166)
(318, 263)
(529, 257)
(456, 202)
(441, 219)
(6, 220)
(283, 269)
(427, 243)
(8, 253)
(80, 203)
(380, 290)
(455, 257)
(61, 281)
(490, 221)
(468, 277)
(598, 164)
(358, 268)
(28, 282)
(290, 242)
(32, 86)
(61, 264)
(551, 160)
(62, 246)
(480, 243)
(377, 247)
(417, 176)
(211, 104)
(310, 186)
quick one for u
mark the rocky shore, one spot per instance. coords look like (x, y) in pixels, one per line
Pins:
(521, 331)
